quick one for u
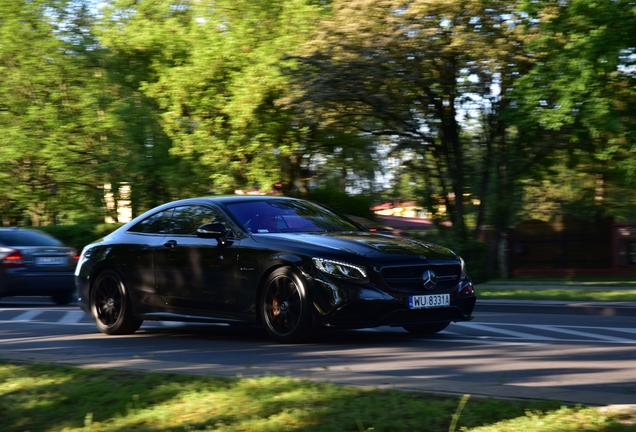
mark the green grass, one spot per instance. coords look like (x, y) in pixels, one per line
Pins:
(39, 397)
(568, 289)
(483, 292)
(569, 281)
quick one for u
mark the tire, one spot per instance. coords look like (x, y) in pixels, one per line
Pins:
(62, 299)
(110, 305)
(284, 307)
(426, 329)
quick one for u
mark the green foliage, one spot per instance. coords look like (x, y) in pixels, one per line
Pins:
(357, 205)
(407, 77)
(538, 293)
(214, 71)
(486, 113)
(474, 252)
(79, 235)
(47, 397)
(582, 88)
(49, 114)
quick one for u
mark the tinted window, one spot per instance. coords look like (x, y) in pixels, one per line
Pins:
(158, 223)
(288, 216)
(27, 238)
(187, 219)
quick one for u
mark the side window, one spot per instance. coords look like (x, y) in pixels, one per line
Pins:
(158, 223)
(187, 219)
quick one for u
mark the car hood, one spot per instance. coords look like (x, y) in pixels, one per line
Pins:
(360, 243)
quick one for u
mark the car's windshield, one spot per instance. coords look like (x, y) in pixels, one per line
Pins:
(277, 215)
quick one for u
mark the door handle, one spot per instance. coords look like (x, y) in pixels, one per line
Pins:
(170, 244)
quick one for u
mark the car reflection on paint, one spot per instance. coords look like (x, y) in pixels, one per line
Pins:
(286, 264)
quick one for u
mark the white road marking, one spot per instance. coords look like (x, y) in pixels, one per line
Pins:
(577, 333)
(28, 315)
(502, 331)
(72, 317)
(620, 329)
(75, 317)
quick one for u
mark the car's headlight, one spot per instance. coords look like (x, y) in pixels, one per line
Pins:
(462, 275)
(341, 269)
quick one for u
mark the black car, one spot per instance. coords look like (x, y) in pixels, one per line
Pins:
(33, 263)
(287, 264)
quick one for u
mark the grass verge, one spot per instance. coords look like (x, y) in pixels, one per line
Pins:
(609, 295)
(600, 282)
(565, 289)
(41, 397)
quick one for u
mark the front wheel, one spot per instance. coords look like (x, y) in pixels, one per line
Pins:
(284, 307)
(110, 305)
(426, 329)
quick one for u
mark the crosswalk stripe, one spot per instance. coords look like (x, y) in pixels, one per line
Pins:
(502, 331)
(28, 315)
(77, 317)
(577, 333)
(624, 330)
(71, 317)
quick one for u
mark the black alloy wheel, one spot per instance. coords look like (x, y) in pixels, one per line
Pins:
(284, 307)
(110, 305)
(426, 329)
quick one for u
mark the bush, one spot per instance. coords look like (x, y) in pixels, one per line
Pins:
(474, 252)
(79, 235)
(357, 205)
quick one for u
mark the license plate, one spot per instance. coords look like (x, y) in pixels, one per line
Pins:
(429, 301)
(50, 261)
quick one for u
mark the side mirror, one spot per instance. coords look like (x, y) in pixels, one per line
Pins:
(213, 230)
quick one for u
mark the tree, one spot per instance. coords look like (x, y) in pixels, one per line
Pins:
(133, 50)
(215, 74)
(50, 122)
(405, 73)
(582, 87)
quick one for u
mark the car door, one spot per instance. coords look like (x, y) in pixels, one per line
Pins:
(194, 273)
(135, 256)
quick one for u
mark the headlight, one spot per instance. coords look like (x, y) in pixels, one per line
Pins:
(341, 270)
(462, 275)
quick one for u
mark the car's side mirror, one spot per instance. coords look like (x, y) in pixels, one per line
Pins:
(214, 230)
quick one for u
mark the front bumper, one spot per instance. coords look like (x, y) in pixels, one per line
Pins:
(382, 313)
(340, 304)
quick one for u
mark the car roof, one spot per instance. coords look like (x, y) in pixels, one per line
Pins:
(212, 199)
(15, 236)
(15, 229)
(227, 199)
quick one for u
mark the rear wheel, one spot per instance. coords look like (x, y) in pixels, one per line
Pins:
(426, 329)
(284, 307)
(110, 305)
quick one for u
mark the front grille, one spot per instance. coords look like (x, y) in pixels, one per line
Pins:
(408, 279)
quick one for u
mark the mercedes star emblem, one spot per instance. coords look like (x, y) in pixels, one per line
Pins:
(429, 279)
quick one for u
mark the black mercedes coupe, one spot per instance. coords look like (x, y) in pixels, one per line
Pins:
(289, 265)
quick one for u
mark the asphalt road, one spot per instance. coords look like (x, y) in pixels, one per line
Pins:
(505, 352)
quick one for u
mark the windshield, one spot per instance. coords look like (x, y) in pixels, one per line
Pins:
(283, 216)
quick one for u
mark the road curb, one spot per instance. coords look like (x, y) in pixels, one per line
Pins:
(551, 307)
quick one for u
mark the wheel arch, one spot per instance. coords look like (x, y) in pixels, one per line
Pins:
(102, 267)
(292, 261)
